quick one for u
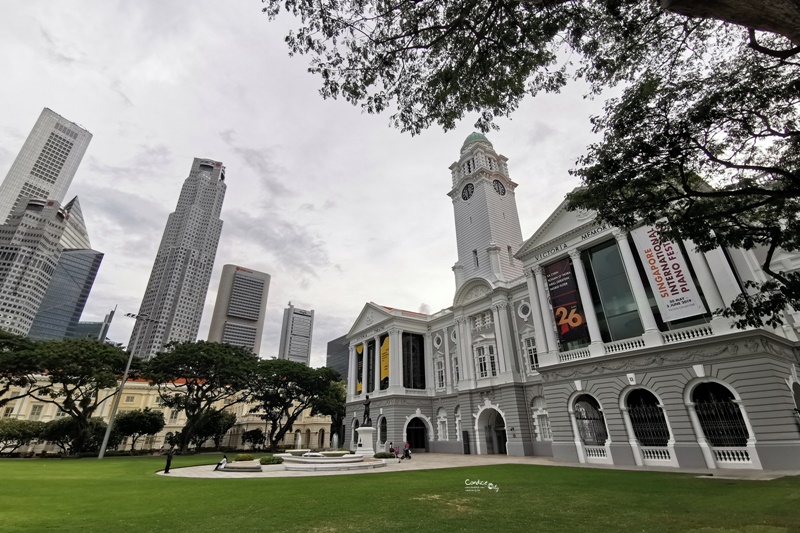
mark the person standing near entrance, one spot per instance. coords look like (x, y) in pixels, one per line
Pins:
(169, 460)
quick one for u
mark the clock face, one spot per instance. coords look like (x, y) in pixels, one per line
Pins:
(466, 192)
(501, 190)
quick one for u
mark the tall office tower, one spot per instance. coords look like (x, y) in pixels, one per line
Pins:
(296, 335)
(241, 304)
(29, 252)
(66, 295)
(46, 164)
(173, 301)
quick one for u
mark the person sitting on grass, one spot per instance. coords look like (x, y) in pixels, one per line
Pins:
(221, 464)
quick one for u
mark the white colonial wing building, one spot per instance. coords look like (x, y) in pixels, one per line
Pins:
(584, 343)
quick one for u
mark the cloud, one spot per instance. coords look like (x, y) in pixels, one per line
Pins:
(292, 247)
(261, 162)
(58, 50)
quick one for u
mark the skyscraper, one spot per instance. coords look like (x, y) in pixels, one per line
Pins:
(296, 330)
(46, 164)
(241, 304)
(173, 301)
(29, 252)
(66, 295)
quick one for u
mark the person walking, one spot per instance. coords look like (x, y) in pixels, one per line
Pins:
(407, 451)
(391, 448)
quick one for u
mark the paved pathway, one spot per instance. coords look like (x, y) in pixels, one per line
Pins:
(430, 461)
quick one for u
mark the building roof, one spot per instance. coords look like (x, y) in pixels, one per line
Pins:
(473, 138)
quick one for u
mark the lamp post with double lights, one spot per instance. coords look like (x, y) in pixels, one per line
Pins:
(110, 427)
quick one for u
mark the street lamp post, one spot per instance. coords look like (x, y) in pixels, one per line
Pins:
(114, 407)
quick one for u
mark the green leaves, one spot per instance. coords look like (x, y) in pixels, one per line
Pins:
(281, 390)
(194, 376)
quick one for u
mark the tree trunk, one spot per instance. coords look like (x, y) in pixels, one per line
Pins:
(781, 17)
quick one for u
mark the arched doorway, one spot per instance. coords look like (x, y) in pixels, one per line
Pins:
(417, 433)
(307, 443)
(491, 433)
(321, 439)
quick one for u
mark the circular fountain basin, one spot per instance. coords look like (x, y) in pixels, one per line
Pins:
(320, 462)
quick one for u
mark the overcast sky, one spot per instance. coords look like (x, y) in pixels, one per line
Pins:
(339, 208)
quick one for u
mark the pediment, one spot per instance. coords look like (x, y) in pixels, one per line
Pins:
(560, 222)
(472, 290)
(371, 315)
(527, 331)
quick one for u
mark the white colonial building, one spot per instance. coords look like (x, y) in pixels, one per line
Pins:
(584, 343)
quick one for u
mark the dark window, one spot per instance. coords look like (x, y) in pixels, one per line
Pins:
(413, 361)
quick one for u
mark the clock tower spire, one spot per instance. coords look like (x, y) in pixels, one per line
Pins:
(488, 232)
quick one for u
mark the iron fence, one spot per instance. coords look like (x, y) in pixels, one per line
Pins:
(649, 424)
(722, 422)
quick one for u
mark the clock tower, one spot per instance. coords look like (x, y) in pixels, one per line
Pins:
(488, 233)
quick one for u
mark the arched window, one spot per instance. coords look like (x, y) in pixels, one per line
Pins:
(541, 420)
(647, 418)
(591, 423)
(719, 414)
(441, 424)
(796, 391)
(439, 372)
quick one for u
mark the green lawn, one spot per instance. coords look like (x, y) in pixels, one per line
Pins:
(124, 494)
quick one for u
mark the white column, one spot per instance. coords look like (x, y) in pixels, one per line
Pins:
(536, 313)
(448, 376)
(377, 370)
(652, 336)
(719, 324)
(364, 367)
(395, 358)
(430, 379)
(501, 329)
(547, 312)
(351, 373)
(724, 277)
(588, 307)
(465, 348)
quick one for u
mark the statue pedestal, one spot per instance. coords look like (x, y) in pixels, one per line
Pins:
(364, 446)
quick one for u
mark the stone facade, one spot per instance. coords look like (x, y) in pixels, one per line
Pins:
(578, 344)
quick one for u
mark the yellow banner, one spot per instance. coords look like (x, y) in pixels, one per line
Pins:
(360, 366)
(385, 360)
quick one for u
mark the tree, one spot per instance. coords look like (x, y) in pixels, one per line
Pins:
(139, 422)
(254, 437)
(708, 127)
(332, 403)
(80, 374)
(19, 367)
(281, 390)
(214, 425)
(15, 433)
(194, 376)
(67, 433)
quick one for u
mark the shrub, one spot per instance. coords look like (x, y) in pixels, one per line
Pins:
(384, 455)
(271, 460)
(243, 457)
